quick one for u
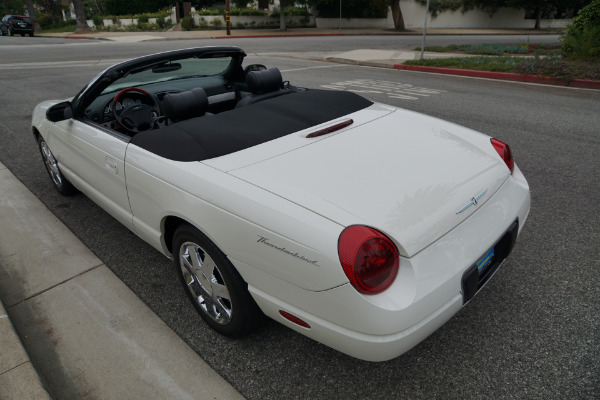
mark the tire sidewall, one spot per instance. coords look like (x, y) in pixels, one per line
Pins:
(244, 309)
(65, 188)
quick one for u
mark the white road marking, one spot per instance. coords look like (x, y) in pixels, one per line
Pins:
(309, 68)
(395, 90)
(59, 64)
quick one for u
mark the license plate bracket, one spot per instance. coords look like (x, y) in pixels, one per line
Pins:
(482, 270)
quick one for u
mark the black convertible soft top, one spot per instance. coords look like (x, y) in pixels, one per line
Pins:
(211, 136)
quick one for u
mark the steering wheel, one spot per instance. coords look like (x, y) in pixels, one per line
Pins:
(136, 117)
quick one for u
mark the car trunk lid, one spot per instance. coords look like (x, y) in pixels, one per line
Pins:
(411, 176)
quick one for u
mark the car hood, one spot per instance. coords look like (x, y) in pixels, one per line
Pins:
(403, 173)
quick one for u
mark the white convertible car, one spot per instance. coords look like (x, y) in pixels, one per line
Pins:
(360, 225)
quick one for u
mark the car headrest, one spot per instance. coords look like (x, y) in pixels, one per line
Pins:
(267, 80)
(185, 105)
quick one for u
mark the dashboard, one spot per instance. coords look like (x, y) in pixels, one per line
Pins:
(221, 96)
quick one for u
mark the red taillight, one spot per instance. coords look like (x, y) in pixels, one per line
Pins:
(369, 259)
(504, 150)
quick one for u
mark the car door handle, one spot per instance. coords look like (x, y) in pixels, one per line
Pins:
(111, 164)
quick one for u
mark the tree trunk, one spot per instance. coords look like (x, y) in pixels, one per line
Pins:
(281, 18)
(397, 16)
(82, 26)
(538, 18)
(32, 16)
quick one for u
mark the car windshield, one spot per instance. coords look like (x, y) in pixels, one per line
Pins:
(172, 70)
(24, 19)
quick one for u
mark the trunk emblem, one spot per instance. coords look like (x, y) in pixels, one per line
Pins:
(473, 201)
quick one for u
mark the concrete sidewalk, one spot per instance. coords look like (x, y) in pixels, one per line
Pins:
(87, 335)
(128, 37)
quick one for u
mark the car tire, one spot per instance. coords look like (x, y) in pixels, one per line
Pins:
(31, 34)
(59, 181)
(212, 283)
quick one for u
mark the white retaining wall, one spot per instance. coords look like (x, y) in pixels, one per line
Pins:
(414, 17)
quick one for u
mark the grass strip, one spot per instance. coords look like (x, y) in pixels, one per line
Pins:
(553, 67)
(496, 49)
(494, 64)
(59, 29)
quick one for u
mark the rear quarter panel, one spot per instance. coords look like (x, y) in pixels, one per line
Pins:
(247, 223)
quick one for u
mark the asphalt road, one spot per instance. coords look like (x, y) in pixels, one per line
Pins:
(533, 332)
(58, 49)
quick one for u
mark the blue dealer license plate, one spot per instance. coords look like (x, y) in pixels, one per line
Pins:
(485, 261)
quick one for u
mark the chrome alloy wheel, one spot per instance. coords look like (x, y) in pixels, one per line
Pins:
(51, 164)
(205, 283)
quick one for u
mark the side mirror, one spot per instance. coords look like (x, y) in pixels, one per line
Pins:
(60, 112)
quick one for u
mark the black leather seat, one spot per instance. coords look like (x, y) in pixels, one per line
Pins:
(263, 85)
(185, 105)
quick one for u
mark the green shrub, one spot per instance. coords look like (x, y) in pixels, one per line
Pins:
(292, 11)
(216, 22)
(45, 20)
(187, 23)
(582, 40)
(582, 44)
(588, 15)
(143, 18)
(98, 21)
(247, 12)
(59, 24)
(211, 11)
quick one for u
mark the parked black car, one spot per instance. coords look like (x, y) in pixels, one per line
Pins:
(12, 24)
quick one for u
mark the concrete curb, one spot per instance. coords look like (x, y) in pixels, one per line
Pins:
(294, 32)
(507, 76)
(85, 332)
(73, 37)
(279, 35)
(18, 378)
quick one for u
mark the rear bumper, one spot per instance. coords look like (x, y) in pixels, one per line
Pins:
(363, 346)
(17, 29)
(427, 292)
